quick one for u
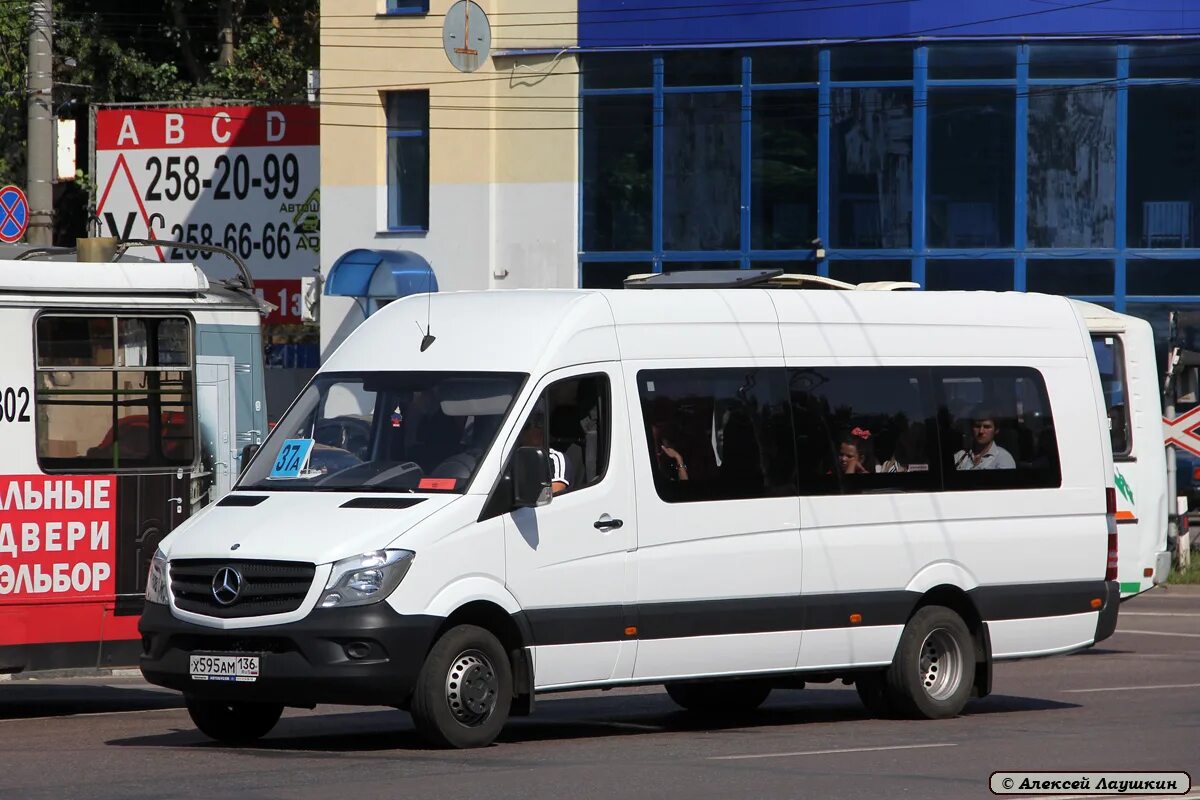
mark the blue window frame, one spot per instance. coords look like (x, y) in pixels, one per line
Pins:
(1071, 195)
(406, 7)
(407, 160)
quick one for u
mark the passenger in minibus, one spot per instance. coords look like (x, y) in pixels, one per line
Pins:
(854, 452)
(534, 435)
(984, 453)
(670, 463)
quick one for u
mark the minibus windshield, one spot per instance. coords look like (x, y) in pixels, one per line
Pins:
(385, 432)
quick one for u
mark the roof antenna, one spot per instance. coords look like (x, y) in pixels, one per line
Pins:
(428, 338)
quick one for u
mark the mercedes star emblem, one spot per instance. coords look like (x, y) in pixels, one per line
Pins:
(226, 585)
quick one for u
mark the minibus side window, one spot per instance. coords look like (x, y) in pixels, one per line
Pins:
(573, 419)
(996, 429)
(1110, 358)
(864, 430)
(718, 434)
(114, 392)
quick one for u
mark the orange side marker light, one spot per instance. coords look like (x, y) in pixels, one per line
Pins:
(631, 631)
(855, 619)
(1097, 602)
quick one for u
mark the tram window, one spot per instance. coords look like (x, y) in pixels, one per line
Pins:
(114, 392)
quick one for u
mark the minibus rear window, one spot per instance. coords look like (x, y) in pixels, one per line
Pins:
(1110, 358)
(385, 432)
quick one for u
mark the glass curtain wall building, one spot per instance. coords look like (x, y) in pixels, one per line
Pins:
(1070, 167)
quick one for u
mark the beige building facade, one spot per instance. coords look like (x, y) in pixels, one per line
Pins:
(502, 145)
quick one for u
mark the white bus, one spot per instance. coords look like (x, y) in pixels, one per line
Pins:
(723, 490)
(1131, 382)
(127, 392)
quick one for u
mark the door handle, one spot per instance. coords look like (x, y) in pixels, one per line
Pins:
(607, 523)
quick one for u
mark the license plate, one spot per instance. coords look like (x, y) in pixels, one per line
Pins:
(241, 669)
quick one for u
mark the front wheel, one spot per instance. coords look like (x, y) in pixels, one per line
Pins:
(233, 723)
(464, 689)
(719, 697)
(934, 668)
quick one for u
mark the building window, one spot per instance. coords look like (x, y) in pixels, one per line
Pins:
(402, 7)
(972, 145)
(114, 393)
(1072, 167)
(783, 170)
(408, 160)
(618, 184)
(871, 170)
(702, 137)
(969, 273)
(1070, 276)
(867, 271)
(1164, 166)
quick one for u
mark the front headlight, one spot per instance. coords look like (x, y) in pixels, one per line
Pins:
(359, 580)
(158, 587)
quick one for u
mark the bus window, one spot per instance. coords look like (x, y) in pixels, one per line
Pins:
(114, 392)
(1110, 358)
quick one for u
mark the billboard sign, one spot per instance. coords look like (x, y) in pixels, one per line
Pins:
(243, 177)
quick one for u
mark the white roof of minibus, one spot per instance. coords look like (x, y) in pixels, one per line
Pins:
(1104, 320)
(538, 330)
(120, 277)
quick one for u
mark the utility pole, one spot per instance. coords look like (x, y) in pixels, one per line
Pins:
(40, 190)
(225, 35)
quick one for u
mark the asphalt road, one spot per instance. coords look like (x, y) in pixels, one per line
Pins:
(1132, 703)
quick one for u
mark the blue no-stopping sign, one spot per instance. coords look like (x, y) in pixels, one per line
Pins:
(14, 214)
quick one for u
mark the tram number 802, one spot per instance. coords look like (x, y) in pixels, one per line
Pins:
(14, 404)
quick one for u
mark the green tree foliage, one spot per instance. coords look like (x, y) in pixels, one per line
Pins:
(14, 33)
(151, 51)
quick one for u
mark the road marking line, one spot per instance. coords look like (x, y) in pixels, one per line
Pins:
(1162, 633)
(1136, 688)
(832, 752)
(1157, 614)
(87, 715)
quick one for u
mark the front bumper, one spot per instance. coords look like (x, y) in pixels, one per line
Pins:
(302, 663)
(1107, 622)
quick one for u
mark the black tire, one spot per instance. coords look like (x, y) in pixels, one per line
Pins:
(934, 668)
(233, 723)
(719, 697)
(446, 717)
(872, 690)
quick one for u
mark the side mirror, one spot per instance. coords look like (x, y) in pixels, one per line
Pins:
(531, 477)
(248, 453)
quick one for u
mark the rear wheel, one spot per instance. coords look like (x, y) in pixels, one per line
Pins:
(934, 667)
(719, 697)
(464, 689)
(233, 723)
(872, 690)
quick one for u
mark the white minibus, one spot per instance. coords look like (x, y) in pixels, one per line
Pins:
(706, 481)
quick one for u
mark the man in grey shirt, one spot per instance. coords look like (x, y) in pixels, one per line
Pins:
(984, 452)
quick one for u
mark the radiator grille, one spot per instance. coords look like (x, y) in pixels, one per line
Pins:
(265, 587)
